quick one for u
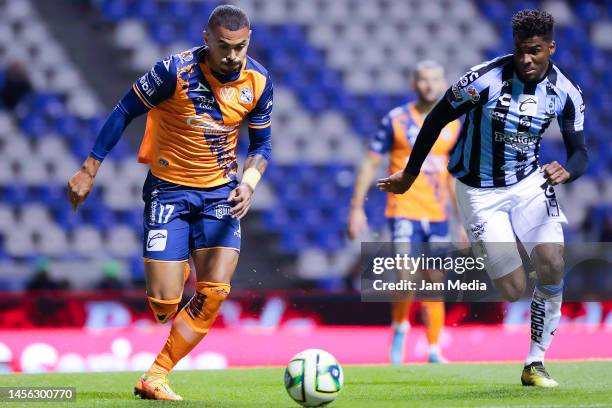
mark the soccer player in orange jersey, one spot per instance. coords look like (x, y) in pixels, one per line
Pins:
(195, 103)
(421, 214)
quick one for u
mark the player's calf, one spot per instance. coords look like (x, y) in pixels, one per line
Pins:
(512, 285)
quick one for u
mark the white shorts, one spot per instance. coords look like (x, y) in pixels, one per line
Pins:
(528, 210)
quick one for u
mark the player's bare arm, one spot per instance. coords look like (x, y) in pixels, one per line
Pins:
(358, 222)
(81, 183)
(240, 197)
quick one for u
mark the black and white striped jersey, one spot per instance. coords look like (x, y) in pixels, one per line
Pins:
(505, 119)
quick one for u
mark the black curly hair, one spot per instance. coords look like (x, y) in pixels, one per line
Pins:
(530, 23)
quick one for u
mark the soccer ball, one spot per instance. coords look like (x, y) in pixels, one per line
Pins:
(313, 378)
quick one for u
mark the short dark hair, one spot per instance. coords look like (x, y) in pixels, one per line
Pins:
(530, 23)
(230, 17)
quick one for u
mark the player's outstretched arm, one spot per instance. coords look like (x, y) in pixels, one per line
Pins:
(358, 222)
(81, 183)
(441, 115)
(157, 85)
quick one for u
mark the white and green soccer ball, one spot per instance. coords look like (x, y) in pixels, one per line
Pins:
(313, 378)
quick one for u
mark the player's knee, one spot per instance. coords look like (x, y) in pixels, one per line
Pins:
(163, 309)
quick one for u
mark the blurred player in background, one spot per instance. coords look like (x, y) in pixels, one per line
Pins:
(502, 192)
(421, 214)
(196, 101)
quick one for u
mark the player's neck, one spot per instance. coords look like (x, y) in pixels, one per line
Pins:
(223, 78)
(423, 107)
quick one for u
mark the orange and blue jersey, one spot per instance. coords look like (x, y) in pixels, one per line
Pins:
(194, 116)
(428, 197)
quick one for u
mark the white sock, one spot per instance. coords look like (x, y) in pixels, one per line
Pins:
(545, 315)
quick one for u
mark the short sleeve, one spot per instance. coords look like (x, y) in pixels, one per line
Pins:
(158, 84)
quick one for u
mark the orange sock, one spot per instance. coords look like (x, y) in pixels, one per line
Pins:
(163, 309)
(399, 311)
(434, 319)
(191, 324)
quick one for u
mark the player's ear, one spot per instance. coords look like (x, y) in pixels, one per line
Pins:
(205, 37)
(552, 47)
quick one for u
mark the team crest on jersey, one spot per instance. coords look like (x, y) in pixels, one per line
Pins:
(246, 95)
(228, 93)
(550, 104)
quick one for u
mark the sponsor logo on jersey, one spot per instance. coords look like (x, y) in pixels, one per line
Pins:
(468, 78)
(582, 108)
(528, 104)
(505, 99)
(520, 141)
(156, 240)
(201, 88)
(525, 121)
(209, 125)
(145, 86)
(228, 93)
(205, 102)
(246, 95)
(166, 62)
(164, 162)
(456, 93)
(156, 78)
(498, 116)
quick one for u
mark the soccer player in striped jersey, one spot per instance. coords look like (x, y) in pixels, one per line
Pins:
(420, 215)
(196, 102)
(502, 191)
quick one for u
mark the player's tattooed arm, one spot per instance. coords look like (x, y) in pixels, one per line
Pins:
(258, 162)
(240, 197)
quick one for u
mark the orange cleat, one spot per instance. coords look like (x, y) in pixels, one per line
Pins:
(155, 387)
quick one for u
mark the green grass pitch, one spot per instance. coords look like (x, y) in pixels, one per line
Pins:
(583, 384)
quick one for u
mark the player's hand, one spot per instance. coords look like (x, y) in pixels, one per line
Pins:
(240, 199)
(397, 183)
(81, 183)
(555, 173)
(358, 222)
